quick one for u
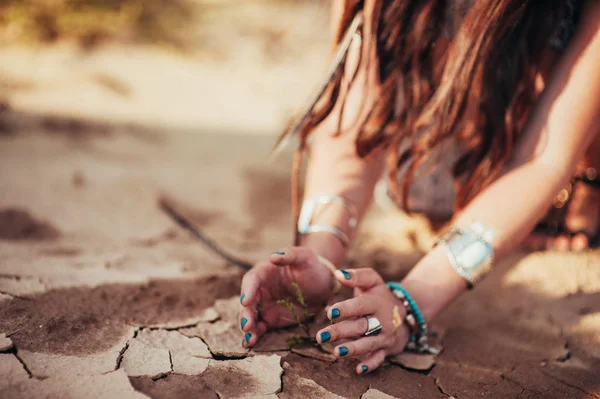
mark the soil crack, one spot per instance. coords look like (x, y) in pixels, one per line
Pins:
(591, 393)
(221, 357)
(281, 364)
(439, 386)
(124, 349)
(523, 388)
(521, 393)
(161, 376)
(14, 351)
(225, 357)
(13, 296)
(120, 357)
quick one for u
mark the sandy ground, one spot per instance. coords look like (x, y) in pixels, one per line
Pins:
(102, 295)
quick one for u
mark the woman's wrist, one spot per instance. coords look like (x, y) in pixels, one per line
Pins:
(433, 283)
(325, 245)
(413, 319)
(330, 253)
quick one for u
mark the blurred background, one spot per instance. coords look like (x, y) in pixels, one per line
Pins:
(224, 65)
(107, 107)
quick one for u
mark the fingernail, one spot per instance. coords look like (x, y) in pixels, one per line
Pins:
(248, 337)
(242, 298)
(279, 253)
(244, 321)
(364, 369)
(335, 313)
(325, 337)
(347, 275)
(343, 351)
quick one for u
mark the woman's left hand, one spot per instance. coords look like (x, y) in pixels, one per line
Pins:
(372, 298)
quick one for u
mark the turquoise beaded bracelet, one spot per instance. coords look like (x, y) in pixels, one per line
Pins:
(418, 340)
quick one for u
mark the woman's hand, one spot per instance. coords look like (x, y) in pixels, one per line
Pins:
(268, 282)
(372, 298)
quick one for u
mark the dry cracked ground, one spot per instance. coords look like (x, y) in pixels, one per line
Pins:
(102, 295)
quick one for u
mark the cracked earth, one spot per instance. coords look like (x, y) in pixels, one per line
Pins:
(103, 296)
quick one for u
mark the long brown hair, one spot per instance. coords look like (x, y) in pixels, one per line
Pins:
(479, 94)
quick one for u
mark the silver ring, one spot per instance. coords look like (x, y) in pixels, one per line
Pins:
(373, 326)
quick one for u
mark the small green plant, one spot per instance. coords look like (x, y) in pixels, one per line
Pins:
(287, 304)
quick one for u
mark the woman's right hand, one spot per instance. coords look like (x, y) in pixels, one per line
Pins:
(268, 282)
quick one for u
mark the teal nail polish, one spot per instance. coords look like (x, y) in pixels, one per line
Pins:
(364, 369)
(248, 337)
(347, 275)
(343, 351)
(242, 298)
(244, 321)
(325, 337)
(279, 253)
(335, 313)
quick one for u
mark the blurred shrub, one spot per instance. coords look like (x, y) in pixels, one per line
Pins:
(89, 22)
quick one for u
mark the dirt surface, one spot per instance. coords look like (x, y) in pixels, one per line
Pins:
(102, 295)
(16, 224)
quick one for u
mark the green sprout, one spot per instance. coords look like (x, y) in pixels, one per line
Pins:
(287, 304)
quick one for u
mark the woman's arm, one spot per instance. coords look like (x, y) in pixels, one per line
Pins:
(563, 125)
(335, 168)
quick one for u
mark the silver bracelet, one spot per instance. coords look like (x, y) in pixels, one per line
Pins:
(308, 209)
(470, 251)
